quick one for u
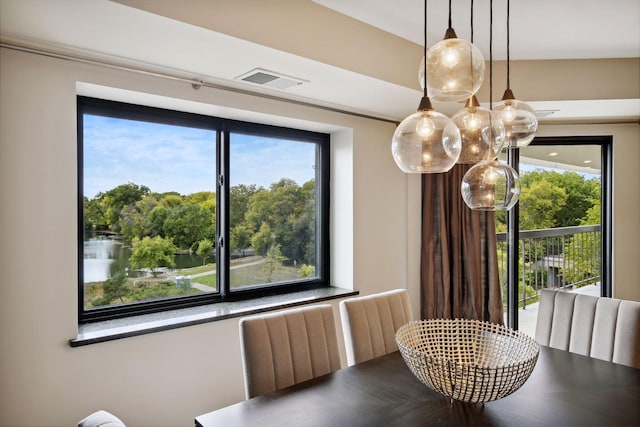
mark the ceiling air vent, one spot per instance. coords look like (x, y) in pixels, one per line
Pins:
(262, 77)
(545, 113)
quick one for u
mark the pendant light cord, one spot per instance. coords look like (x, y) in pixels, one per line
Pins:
(491, 55)
(508, 60)
(491, 73)
(471, 21)
(425, 50)
(449, 13)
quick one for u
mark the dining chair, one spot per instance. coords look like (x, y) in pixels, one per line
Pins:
(285, 348)
(369, 323)
(604, 328)
(101, 418)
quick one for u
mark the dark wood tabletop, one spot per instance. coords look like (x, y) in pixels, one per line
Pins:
(564, 389)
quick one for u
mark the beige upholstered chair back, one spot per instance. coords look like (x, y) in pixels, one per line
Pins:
(369, 323)
(288, 347)
(604, 328)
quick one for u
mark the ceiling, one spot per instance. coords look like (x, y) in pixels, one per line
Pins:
(540, 29)
(172, 41)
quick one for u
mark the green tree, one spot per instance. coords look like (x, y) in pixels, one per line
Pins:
(114, 288)
(115, 199)
(289, 211)
(303, 242)
(94, 213)
(260, 210)
(204, 249)
(274, 206)
(134, 218)
(188, 224)
(273, 262)
(199, 197)
(171, 199)
(152, 253)
(289, 204)
(154, 222)
(580, 193)
(585, 249)
(240, 238)
(306, 270)
(262, 240)
(593, 215)
(239, 200)
(539, 205)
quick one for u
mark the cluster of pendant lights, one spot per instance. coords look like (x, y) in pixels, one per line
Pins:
(430, 142)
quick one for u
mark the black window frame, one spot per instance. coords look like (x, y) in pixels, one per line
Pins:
(223, 128)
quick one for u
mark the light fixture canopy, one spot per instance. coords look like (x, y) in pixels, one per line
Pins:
(491, 186)
(481, 130)
(426, 141)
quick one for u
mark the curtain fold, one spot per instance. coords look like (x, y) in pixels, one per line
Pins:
(459, 266)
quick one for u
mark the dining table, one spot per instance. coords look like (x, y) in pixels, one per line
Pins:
(564, 389)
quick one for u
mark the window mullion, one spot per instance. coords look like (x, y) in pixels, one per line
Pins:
(222, 213)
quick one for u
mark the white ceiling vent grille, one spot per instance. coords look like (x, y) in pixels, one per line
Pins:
(262, 77)
(545, 113)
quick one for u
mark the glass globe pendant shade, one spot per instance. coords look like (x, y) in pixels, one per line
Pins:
(491, 186)
(519, 119)
(455, 69)
(481, 131)
(426, 142)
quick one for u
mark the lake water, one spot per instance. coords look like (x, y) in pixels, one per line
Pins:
(104, 256)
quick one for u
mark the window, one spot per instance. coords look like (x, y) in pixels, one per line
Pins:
(561, 224)
(179, 209)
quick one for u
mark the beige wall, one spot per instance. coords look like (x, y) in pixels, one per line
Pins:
(162, 379)
(166, 378)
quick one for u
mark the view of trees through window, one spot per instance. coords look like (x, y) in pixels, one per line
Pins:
(149, 208)
(559, 232)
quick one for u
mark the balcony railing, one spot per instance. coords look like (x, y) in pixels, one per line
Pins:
(565, 257)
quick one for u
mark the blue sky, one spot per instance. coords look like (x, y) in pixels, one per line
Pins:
(174, 158)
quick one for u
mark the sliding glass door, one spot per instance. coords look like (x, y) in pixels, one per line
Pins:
(558, 235)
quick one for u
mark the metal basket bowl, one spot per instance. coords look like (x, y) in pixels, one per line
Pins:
(467, 360)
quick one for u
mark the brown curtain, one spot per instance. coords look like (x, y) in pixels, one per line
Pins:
(459, 267)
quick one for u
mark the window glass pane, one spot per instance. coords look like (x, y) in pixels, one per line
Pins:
(559, 225)
(273, 220)
(149, 211)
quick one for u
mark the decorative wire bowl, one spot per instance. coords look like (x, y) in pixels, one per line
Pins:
(467, 360)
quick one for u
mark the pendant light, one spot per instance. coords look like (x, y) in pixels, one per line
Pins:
(490, 185)
(481, 129)
(426, 141)
(455, 67)
(519, 119)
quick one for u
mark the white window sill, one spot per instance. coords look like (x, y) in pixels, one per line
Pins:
(91, 333)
